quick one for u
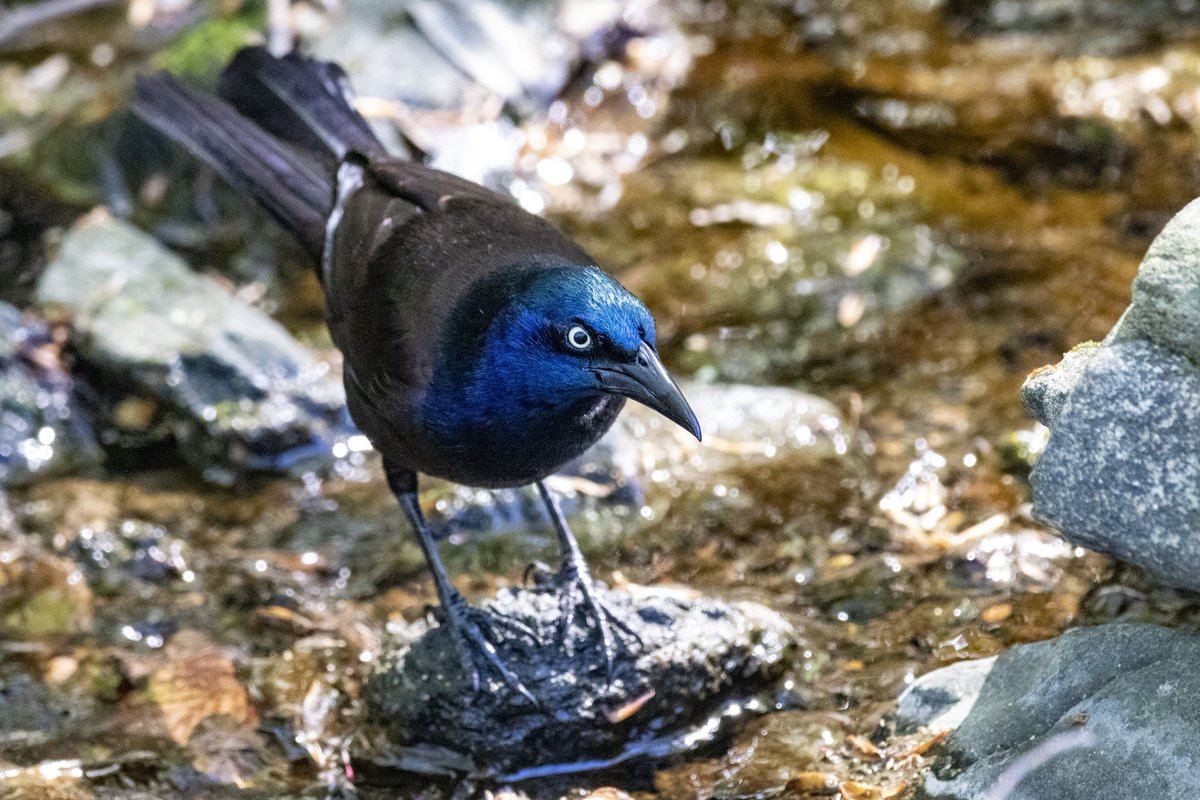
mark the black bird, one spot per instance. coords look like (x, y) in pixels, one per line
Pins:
(481, 345)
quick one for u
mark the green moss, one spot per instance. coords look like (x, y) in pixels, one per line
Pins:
(202, 50)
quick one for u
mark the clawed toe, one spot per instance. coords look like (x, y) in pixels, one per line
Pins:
(576, 589)
(540, 575)
(476, 634)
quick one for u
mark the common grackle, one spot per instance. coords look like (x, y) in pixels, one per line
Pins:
(481, 345)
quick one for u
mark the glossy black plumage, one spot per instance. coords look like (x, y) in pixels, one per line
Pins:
(481, 345)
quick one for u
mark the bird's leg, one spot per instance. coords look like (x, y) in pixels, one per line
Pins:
(472, 629)
(575, 584)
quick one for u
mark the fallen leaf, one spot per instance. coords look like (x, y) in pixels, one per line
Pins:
(925, 746)
(814, 783)
(853, 790)
(608, 793)
(227, 752)
(629, 709)
(997, 613)
(193, 687)
(864, 747)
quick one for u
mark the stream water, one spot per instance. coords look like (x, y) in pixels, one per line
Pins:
(900, 207)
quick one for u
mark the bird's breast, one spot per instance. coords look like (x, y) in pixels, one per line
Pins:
(518, 445)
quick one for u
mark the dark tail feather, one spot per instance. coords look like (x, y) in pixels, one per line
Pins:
(294, 189)
(301, 100)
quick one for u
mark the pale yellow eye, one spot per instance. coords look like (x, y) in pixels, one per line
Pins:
(579, 338)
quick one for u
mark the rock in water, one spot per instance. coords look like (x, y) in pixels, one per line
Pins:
(692, 655)
(1126, 696)
(43, 430)
(1121, 471)
(240, 394)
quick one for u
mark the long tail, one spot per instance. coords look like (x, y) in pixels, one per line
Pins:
(276, 136)
(301, 100)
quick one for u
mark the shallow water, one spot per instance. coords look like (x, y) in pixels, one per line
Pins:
(900, 209)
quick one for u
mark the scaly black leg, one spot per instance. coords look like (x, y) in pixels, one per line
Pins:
(473, 630)
(575, 584)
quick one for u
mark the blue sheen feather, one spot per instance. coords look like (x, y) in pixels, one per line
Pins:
(520, 378)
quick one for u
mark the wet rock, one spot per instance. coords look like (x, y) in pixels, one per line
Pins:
(440, 67)
(768, 264)
(1121, 471)
(133, 550)
(694, 654)
(238, 392)
(941, 700)
(41, 595)
(1098, 25)
(43, 430)
(1123, 698)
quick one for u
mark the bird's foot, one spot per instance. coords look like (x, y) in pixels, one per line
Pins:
(540, 575)
(576, 588)
(477, 634)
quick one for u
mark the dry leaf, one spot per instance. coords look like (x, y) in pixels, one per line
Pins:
(629, 709)
(608, 793)
(925, 746)
(997, 613)
(814, 783)
(864, 747)
(196, 686)
(227, 752)
(853, 790)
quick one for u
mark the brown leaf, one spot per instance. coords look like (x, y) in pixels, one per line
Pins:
(196, 686)
(227, 752)
(814, 783)
(925, 746)
(864, 747)
(853, 790)
(608, 793)
(997, 613)
(629, 709)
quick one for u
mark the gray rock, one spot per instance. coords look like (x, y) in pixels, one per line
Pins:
(1166, 292)
(1092, 26)
(1121, 472)
(692, 655)
(239, 392)
(454, 57)
(43, 430)
(1129, 690)
(1046, 390)
(941, 700)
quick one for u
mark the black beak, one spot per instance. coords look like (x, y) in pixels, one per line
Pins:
(645, 380)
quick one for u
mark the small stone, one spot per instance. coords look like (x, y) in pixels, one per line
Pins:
(692, 655)
(43, 430)
(942, 699)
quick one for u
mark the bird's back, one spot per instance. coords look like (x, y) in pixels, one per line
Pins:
(412, 260)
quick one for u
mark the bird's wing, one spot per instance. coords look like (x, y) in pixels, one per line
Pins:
(404, 245)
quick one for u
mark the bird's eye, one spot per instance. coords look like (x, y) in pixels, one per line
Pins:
(578, 338)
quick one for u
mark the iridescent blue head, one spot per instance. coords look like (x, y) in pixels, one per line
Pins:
(549, 353)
